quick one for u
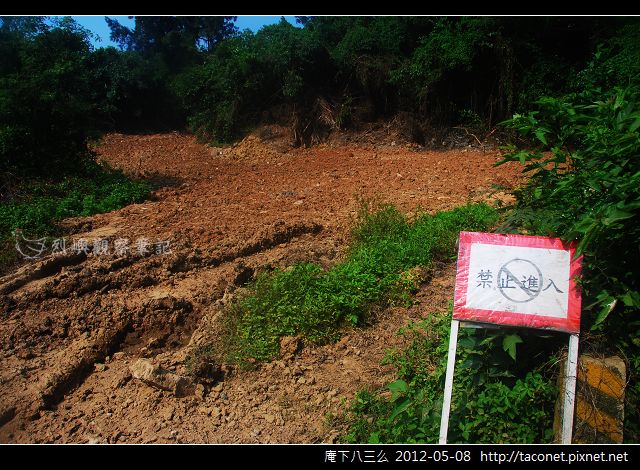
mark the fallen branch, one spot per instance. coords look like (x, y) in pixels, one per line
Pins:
(472, 135)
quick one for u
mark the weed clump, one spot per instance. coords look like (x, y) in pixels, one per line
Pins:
(316, 304)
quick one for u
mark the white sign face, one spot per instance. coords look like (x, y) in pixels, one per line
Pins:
(517, 280)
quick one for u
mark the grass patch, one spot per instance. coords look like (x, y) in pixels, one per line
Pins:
(309, 301)
(41, 204)
(492, 402)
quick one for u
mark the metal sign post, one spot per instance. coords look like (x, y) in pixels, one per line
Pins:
(516, 280)
(569, 386)
(448, 381)
(570, 390)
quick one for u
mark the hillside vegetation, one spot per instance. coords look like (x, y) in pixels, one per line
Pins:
(562, 92)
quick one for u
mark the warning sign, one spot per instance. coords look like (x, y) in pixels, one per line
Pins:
(517, 280)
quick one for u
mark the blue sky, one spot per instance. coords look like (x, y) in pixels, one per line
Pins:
(97, 25)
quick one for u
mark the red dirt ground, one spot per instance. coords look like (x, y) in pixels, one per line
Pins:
(70, 328)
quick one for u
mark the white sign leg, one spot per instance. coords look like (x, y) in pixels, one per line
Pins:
(570, 390)
(448, 384)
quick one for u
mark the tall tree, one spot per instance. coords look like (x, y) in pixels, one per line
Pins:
(158, 33)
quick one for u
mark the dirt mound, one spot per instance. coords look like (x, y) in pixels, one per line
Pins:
(71, 327)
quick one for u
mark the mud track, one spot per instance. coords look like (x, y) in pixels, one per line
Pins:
(72, 325)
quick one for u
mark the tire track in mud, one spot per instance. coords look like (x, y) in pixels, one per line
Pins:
(43, 269)
(165, 318)
(69, 328)
(97, 278)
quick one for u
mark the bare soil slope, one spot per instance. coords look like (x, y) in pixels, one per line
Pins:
(72, 326)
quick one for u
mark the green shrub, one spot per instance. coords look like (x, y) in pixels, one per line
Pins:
(306, 300)
(46, 115)
(615, 63)
(134, 92)
(246, 75)
(585, 185)
(493, 401)
(46, 203)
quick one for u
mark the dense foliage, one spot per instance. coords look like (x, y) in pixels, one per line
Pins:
(492, 401)
(46, 112)
(585, 186)
(441, 71)
(335, 72)
(57, 94)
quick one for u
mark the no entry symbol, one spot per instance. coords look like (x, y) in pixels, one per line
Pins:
(519, 280)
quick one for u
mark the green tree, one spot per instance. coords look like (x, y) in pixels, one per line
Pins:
(178, 39)
(46, 115)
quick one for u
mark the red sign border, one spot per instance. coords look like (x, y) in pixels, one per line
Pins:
(571, 324)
